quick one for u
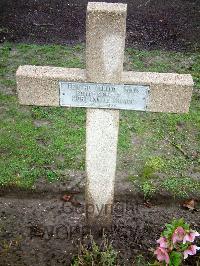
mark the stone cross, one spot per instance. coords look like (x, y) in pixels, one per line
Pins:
(104, 78)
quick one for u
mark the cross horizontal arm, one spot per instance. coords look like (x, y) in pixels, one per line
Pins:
(38, 85)
(169, 92)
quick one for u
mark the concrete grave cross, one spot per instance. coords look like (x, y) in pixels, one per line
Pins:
(103, 88)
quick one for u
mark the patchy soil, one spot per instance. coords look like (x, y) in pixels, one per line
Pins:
(172, 24)
(38, 228)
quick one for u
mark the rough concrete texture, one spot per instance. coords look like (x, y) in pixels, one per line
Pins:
(106, 7)
(39, 85)
(105, 41)
(101, 154)
(105, 35)
(169, 92)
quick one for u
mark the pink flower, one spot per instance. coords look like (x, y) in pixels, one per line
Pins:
(178, 235)
(163, 242)
(192, 250)
(162, 255)
(190, 237)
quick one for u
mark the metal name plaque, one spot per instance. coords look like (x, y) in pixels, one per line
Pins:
(111, 96)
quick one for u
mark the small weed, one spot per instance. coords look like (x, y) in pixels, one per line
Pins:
(7, 245)
(148, 189)
(94, 254)
(145, 181)
(153, 165)
(140, 261)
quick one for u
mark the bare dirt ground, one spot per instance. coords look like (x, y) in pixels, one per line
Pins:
(151, 24)
(38, 228)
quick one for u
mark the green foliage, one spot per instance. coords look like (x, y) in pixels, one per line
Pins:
(33, 139)
(170, 228)
(152, 165)
(180, 187)
(146, 179)
(147, 188)
(102, 255)
(141, 261)
(175, 259)
(11, 56)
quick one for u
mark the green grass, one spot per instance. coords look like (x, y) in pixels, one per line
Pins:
(39, 142)
(173, 139)
(30, 150)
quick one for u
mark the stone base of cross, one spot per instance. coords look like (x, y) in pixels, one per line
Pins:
(105, 86)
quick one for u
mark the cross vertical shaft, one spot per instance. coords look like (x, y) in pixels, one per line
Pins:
(105, 41)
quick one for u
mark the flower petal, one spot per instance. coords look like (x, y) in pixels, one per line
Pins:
(191, 250)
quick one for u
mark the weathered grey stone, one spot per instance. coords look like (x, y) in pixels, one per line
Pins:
(105, 41)
(169, 92)
(106, 29)
(39, 85)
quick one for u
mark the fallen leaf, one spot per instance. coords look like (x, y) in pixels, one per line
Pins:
(190, 205)
(67, 198)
